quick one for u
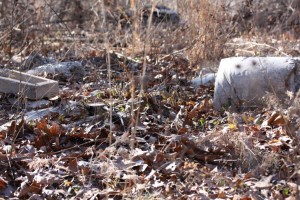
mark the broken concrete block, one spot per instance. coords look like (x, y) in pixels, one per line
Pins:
(243, 81)
(33, 87)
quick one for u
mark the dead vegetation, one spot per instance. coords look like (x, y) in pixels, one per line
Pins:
(133, 127)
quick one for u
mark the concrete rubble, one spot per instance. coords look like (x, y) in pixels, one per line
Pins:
(26, 85)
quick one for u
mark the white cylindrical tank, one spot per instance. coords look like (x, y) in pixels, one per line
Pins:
(243, 81)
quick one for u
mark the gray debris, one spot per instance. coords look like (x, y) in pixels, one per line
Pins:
(161, 14)
(64, 70)
(206, 79)
(39, 104)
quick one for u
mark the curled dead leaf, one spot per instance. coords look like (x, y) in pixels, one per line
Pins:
(279, 121)
(276, 119)
(273, 116)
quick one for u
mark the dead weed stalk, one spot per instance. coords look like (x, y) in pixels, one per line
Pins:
(205, 33)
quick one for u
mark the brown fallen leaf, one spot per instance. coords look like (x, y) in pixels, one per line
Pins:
(12, 128)
(73, 167)
(276, 119)
(246, 198)
(273, 116)
(54, 129)
(3, 183)
(279, 121)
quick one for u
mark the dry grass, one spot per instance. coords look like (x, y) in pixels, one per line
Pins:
(206, 30)
(63, 27)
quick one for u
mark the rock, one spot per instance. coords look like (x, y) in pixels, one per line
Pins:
(162, 14)
(31, 61)
(39, 104)
(74, 109)
(35, 60)
(241, 82)
(95, 108)
(73, 70)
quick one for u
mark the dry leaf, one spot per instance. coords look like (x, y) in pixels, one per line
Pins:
(73, 167)
(3, 183)
(12, 128)
(279, 121)
(55, 129)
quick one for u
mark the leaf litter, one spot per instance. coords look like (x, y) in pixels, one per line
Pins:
(67, 148)
(182, 148)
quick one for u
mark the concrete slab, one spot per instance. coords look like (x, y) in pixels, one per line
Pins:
(33, 87)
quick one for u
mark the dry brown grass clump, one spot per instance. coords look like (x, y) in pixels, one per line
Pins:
(61, 27)
(206, 29)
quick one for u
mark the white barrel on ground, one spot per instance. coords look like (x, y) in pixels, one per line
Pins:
(243, 81)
